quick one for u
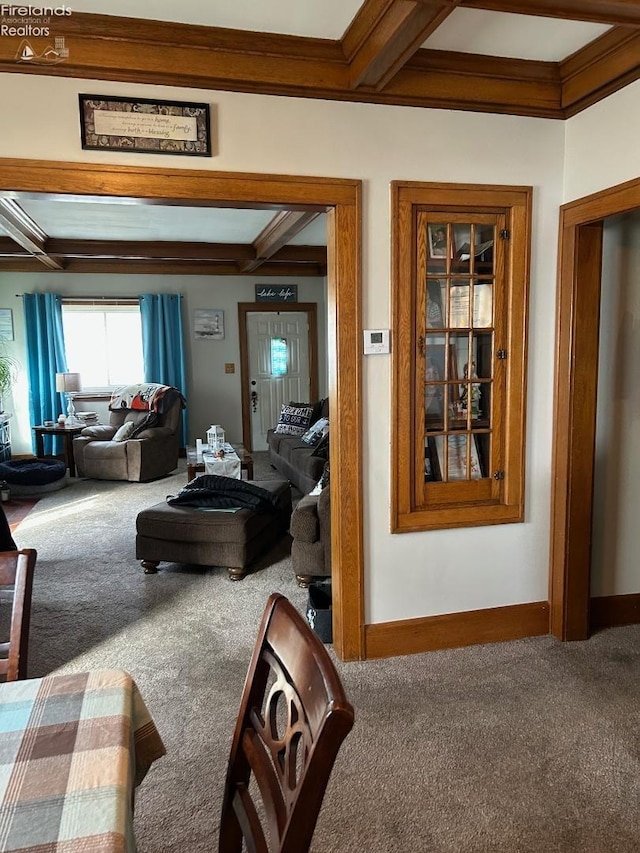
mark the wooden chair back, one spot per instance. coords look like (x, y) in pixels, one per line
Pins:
(293, 718)
(16, 585)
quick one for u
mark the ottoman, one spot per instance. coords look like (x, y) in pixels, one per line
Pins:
(210, 537)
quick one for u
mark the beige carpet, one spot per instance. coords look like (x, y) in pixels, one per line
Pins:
(525, 747)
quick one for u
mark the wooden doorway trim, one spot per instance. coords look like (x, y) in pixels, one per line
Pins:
(341, 199)
(244, 308)
(577, 331)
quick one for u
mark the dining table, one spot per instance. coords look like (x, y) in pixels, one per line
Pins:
(73, 748)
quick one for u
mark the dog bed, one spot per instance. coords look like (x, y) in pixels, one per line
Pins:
(31, 477)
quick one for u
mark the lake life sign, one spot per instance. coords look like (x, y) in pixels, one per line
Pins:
(276, 292)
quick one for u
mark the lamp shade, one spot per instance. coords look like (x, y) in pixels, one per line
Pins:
(68, 382)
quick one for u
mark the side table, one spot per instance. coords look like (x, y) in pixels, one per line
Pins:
(67, 434)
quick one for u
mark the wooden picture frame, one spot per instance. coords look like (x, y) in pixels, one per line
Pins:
(146, 126)
(437, 240)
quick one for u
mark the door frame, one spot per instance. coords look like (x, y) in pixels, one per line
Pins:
(341, 199)
(244, 308)
(576, 380)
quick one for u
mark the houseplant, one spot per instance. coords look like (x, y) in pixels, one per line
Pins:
(8, 375)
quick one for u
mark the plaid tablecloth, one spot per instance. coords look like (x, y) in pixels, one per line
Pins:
(72, 749)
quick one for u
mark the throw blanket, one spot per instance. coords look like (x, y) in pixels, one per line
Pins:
(212, 490)
(146, 397)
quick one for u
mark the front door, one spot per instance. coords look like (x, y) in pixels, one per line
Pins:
(278, 345)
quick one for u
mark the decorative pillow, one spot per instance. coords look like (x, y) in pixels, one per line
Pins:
(124, 432)
(315, 409)
(294, 420)
(315, 432)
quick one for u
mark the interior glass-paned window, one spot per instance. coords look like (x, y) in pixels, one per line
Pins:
(104, 344)
(279, 357)
(460, 265)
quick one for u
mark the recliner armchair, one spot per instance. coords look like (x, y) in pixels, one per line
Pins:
(136, 453)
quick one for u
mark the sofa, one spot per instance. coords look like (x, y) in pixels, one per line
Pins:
(302, 464)
(310, 529)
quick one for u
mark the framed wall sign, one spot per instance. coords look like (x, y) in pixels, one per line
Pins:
(152, 127)
(208, 324)
(6, 324)
(276, 292)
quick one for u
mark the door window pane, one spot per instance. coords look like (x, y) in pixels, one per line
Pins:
(279, 357)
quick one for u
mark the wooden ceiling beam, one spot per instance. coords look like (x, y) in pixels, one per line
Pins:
(386, 33)
(159, 267)
(21, 228)
(283, 227)
(599, 69)
(109, 48)
(103, 47)
(9, 248)
(149, 249)
(613, 12)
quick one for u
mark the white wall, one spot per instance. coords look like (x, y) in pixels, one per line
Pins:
(407, 575)
(602, 144)
(212, 395)
(615, 569)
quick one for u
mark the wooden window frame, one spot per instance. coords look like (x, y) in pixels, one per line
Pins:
(506, 504)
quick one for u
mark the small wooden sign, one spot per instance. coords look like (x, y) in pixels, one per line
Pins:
(276, 292)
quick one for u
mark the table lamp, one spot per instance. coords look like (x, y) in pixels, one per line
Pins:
(69, 384)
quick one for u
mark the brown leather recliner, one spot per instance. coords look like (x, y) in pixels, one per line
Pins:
(101, 454)
(310, 529)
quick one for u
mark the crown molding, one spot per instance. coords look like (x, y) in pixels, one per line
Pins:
(103, 47)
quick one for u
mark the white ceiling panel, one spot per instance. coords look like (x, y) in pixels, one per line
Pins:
(81, 221)
(320, 18)
(315, 234)
(514, 36)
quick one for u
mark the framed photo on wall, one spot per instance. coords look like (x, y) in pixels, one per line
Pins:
(208, 324)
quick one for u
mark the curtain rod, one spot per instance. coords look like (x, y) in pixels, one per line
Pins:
(101, 298)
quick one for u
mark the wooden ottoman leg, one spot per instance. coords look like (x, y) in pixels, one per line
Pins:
(236, 574)
(150, 566)
(304, 581)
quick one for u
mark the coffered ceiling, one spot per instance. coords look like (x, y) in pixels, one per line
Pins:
(545, 58)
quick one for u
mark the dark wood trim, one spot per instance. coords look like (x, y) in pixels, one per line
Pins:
(103, 47)
(342, 199)
(577, 328)
(453, 630)
(244, 308)
(611, 611)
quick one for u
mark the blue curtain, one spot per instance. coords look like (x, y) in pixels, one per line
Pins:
(163, 344)
(45, 357)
